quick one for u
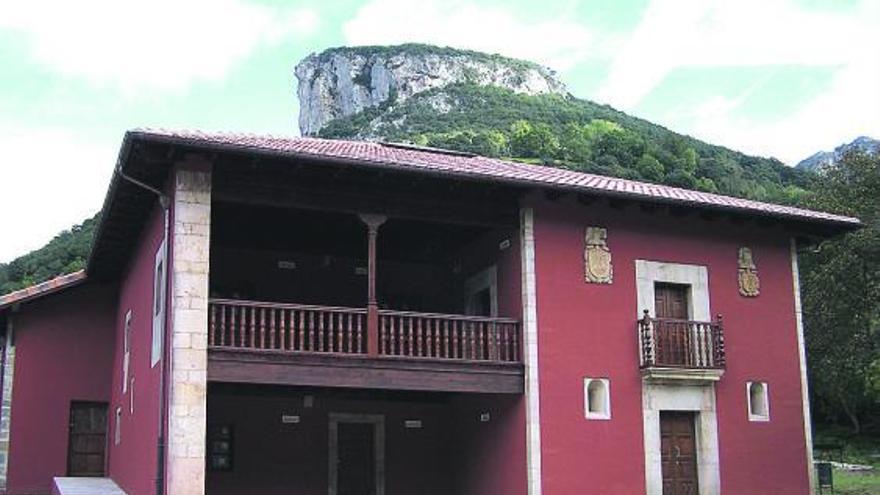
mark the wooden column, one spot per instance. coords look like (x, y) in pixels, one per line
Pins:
(373, 222)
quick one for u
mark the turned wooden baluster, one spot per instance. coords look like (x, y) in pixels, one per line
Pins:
(358, 330)
(222, 325)
(435, 334)
(718, 347)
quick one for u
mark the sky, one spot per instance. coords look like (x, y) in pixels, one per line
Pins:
(782, 78)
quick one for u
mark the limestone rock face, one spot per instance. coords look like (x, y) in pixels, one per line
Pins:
(343, 81)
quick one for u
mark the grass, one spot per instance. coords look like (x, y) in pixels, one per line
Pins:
(866, 483)
(863, 449)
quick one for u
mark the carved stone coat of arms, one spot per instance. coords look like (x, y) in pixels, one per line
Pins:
(597, 257)
(749, 283)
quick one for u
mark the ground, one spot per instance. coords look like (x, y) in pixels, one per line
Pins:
(857, 449)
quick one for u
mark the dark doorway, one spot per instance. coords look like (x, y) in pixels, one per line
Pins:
(87, 440)
(357, 465)
(678, 453)
(357, 455)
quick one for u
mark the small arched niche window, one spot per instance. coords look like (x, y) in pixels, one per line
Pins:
(758, 400)
(597, 398)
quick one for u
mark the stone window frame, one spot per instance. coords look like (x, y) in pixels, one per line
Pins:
(158, 309)
(754, 415)
(117, 426)
(696, 397)
(605, 412)
(126, 350)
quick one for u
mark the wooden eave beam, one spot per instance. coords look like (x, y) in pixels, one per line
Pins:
(390, 204)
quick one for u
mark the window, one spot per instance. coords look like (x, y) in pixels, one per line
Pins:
(597, 398)
(758, 400)
(117, 427)
(126, 350)
(160, 276)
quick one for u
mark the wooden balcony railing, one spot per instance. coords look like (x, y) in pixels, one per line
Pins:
(254, 325)
(672, 343)
(431, 335)
(286, 327)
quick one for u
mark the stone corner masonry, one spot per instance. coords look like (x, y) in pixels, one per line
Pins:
(189, 329)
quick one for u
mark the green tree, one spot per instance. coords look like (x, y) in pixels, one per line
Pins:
(650, 168)
(520, 138)
(546, 144)
(841, 296)
(574, 142)
(706, 184)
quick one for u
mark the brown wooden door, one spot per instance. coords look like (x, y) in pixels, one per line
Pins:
(672, 337)
(670, 301)
(356, 468)
(678, 453)
(87, 439)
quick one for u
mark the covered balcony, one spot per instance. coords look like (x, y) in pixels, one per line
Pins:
(679, 349)
(335, 299)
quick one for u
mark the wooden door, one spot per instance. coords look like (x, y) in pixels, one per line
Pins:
(678, 453)
(672, 332)
(670, 301)
(87, 439)
(356, 467)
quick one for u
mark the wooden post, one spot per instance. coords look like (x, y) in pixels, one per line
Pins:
(373, 222)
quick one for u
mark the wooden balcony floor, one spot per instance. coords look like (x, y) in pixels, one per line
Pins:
(231, 365)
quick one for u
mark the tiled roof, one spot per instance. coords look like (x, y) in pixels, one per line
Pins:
(481, 168)
(42, 289)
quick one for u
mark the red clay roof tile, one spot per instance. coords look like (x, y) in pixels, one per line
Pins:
(482, 168)
(43, 288)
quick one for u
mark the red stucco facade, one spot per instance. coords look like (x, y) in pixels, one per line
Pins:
(589, 330)
(132, 463)
(69, 347)
(64, 349)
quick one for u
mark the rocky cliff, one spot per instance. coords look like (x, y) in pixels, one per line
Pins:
(824, 159)
(340, 82)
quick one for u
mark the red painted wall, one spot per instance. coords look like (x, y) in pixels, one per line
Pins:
(64, 350)
(590, 330)
(491, 457)
(274, 458)
(133, 461)
(453, 452)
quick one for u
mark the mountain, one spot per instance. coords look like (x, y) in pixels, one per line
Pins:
(344, 81)
(824, 159)
(482, 103)
(515, 109)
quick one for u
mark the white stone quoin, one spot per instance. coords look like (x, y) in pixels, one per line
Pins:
(189, 329)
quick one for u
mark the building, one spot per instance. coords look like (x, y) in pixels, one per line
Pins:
(281, 315)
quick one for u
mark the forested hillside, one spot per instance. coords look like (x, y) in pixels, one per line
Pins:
(573, 133)
(840, 282)
(66, 253)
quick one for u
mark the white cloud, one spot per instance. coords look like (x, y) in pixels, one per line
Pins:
(157, 45)
(720, 33)
(51, 179)
(849, 108)
(698, 33)
(558, 42)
